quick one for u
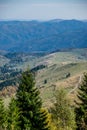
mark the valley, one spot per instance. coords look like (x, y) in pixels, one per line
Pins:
(55, 51)
(52, 71)
(43, 65)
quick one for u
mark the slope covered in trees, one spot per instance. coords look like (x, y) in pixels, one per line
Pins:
(33, 36)
(25, 112)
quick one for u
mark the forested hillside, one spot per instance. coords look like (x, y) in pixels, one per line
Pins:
(43, 75)
(48, 36)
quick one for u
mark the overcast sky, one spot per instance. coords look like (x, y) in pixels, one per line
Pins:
(42, 9)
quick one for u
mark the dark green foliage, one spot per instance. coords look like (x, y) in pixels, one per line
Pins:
(45, 81)
(62, 113)
(3, 115)
(13, 115)
(9, 76)
(9, 82)
(68, 75)
(29, 103)
(39, 67)
(81, 109)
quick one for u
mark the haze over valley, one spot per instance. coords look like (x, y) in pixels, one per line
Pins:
(55, 50)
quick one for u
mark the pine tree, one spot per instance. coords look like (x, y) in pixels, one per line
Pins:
(62, 113)
(13, 115)
(3, 115)
(29, 103)
(81, 105)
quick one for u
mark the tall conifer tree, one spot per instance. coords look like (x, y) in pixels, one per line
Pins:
(29, 103)
(81, 109)
(13, 115)
(3, 115)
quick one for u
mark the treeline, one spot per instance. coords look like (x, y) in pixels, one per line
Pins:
(25, 112)
(9, 75)
(37, 68)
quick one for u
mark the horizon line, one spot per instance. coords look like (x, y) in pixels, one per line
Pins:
(42, 19)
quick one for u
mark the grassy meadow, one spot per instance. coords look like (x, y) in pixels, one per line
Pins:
(63, 69)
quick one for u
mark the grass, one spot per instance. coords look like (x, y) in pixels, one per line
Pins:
(59, 64)
(56, 73)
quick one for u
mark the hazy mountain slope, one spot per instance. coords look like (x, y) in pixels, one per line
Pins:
(42, 36)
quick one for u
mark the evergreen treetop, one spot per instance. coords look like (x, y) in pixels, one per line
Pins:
(81, 105)
(30, 104)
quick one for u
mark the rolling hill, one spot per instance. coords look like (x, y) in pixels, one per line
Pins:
(55, 50)
(47, 36)
(54, 70)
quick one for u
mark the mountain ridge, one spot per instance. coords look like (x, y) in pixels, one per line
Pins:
(45, 36)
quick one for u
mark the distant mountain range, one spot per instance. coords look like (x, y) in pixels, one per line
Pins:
(47, 36)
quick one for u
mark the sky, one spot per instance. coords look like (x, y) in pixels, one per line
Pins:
(43, 9)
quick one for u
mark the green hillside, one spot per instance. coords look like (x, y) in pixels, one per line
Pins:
(58, 69)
